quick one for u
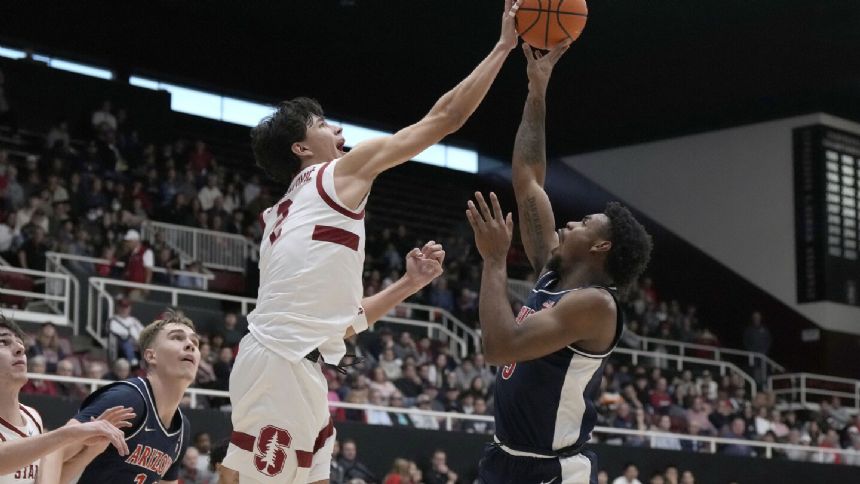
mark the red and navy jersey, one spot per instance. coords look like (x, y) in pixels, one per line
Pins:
(547, 404)
(155, 452)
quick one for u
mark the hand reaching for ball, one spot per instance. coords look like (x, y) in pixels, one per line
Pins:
(508, 37)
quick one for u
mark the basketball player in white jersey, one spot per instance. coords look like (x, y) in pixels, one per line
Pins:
(311, 261)
(23, 441)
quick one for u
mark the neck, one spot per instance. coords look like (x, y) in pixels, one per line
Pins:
(167, 395)
(583, 275)
(9, 405)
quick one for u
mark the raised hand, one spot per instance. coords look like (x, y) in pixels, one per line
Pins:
(425, 264)
(540, 63)
(493, 230)
(508, 37)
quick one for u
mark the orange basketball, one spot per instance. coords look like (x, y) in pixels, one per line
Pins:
(545, 23)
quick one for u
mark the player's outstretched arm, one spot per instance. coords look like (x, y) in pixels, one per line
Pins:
(581, 315)
(358, 168)
(537, 222)
(422, 266)
(19, 453)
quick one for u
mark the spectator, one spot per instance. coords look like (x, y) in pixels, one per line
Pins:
(223, 367)
(479, 426)
(336, 471)
(379, 382)
(200, 159)
(757, 338)
(352, 467)
(671, 474)
(230, 331)
(665, 442)
(409, 383)
(699, 413)
(32, 252)
(139, 260)
(440, 295)
(736, 431)
(71, 390)
(191, 281)
(423, 421)
(121, 370)
(657, 478)
(390, 364)
(124, 333)
(794, 438)
(95, 370)
(203, 444)
(399, 418)
(439, 472)
(659, 398)
(602, 477)
(378, 417)
(399, 473)
(631, 473)
(49, 345)
(103, 116)
(206, 372)
(37, 364)
(209, 193)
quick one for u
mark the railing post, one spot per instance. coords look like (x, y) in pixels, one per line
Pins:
(174, 298)
(193, 399)
(857, 396)
(803, 389)
(768, 452)
(448, 423)
(713, 447)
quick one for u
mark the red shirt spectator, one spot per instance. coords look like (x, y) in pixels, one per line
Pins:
(140, 260)
(660, 398)
(200, 160)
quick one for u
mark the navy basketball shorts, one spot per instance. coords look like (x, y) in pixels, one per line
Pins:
(499, 466)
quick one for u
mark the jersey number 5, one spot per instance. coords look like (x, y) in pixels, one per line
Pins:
(283, 211)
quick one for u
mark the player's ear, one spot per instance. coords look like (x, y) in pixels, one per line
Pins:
(301, 150)
(149, 356)
(601, 246)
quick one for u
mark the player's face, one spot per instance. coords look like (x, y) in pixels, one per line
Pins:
(13, 359)
(324, 140)
(177, 353)
(577, 239)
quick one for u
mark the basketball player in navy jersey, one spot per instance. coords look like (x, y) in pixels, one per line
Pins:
(159, 433)
(23, 441)
(554, 352)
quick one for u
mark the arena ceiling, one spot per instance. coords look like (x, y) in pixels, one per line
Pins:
(643, 69)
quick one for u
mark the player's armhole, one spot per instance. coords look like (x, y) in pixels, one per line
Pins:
(125, 393)
(616, 338)
(326, 189)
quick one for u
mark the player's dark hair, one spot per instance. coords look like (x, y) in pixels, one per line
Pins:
(272, 139)
(217, 454)
(631, 246)
(12, 327)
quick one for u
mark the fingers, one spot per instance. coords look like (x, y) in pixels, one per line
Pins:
(485, 210)
(475, 219)
(497, 209)
(557, 51)
(512, 9)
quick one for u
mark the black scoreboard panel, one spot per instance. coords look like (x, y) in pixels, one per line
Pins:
(827, 214)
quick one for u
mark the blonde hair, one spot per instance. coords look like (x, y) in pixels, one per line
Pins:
(149, 333)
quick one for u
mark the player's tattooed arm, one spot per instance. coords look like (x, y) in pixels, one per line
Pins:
(529, 161)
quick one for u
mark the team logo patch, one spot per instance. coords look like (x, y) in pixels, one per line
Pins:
(271, 450)
(508, 370)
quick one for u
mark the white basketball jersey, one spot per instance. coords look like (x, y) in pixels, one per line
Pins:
(311, 263)
(10, 432)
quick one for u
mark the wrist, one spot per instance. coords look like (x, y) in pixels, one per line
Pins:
(411, 284)
(538, 87)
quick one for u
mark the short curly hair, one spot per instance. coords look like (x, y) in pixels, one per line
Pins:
(631, 246)
(272, 139)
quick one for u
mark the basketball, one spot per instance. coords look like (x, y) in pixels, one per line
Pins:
(545, 23)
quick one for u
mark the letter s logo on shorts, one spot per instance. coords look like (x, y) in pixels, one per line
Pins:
(271, 453)
(508, 370)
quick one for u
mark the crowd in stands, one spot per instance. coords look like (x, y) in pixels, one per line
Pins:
(90, 199)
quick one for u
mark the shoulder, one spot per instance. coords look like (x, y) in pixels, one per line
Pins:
(124, 392)
(33, 414)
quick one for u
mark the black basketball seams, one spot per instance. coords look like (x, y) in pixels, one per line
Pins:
(540, 12)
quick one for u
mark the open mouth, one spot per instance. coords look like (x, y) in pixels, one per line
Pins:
(189, 359)
(341, 145)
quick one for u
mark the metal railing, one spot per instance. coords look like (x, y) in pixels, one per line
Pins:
(807, 390)
(750, 359)
(88, 267)
(456, 344)
(101, 302)
(447, 422)
(56, 296)
(55, 265)
(214, 249)
(681, 362)
(439, 316)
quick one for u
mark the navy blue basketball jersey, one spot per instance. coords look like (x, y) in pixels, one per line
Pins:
(155, 452)
(545, 405)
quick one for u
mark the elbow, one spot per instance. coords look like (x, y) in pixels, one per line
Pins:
(451, 120)
(494, 355)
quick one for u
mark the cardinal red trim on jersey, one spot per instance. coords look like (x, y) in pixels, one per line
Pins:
(336, 235)
(304, 458)
(331, 203)
(243, 441)
(11, 427)
(325, 433)
(24, 409)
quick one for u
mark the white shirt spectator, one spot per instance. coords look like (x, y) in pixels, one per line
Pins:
(624, 480)
(207, 196)
(7, 235)
(378, 417)
(125, 327)
(425, 421)
(671, 443)
(104, 117)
